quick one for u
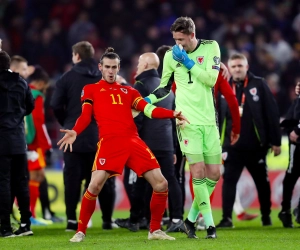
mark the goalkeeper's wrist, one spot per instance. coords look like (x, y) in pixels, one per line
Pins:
(151, 99)
(189, 64)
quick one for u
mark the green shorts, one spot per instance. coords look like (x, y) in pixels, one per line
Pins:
(200, 143)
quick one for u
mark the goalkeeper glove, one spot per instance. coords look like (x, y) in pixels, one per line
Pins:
(182, 57)
(147, 99)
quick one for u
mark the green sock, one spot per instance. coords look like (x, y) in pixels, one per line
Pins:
(210, 185)
(194, 212)
(202, 199)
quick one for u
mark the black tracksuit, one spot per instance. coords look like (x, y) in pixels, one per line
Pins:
(16, 101)
(158, 135)
(291, 123)
(66, 105)
(259, 130)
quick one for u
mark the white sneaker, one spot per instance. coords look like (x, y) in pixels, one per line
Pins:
(78, 237)
(200, 224)
(159, 235)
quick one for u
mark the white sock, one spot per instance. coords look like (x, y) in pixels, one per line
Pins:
(237, 206)
(175, 220)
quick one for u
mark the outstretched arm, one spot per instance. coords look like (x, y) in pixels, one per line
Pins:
(82, 122)
(167, 79)
(156, 112)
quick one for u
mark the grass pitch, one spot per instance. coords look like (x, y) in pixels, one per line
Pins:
(245, 235)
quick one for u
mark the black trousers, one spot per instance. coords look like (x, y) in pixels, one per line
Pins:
(14, 183)
(44, 199)
(141, 190)
(291, 176)
(180, 175)
(255, 162)
(77, 168)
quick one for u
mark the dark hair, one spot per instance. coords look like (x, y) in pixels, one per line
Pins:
(184, 25)
(17, 59)
(4, 60)
(161, 51)
(110, 54)
(84, 49)
(39, 74)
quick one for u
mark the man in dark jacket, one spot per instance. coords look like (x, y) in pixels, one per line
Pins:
(259, 131)
(16, 101)
(66, 105)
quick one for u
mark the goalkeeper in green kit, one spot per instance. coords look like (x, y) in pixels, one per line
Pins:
(194, 66)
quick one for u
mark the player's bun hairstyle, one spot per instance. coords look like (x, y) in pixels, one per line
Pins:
(109, 53)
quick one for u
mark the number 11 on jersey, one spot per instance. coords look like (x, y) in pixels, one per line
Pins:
(114, 99)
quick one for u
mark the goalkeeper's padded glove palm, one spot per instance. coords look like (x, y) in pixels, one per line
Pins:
(182, 57)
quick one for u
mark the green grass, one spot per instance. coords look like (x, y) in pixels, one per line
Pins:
(245, 235)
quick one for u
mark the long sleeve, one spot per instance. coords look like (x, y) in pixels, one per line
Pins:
(58, 102)
(210, 74)
(87, 110)
(231, 100)
(84, 119)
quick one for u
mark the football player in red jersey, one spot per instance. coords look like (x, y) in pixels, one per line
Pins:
(119, 144)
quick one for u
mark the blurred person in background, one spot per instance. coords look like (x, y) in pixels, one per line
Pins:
(292, 174)
(37, 138)
(259, 131)
(20, 65)
(67, 108)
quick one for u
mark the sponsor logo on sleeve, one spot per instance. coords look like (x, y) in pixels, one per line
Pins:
(82, 93)
(215, 67)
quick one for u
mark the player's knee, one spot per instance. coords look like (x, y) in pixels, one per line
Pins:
(161, 185)
(216, 176)
(94, 187)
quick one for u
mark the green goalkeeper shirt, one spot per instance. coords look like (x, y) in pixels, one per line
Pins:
(194, 95)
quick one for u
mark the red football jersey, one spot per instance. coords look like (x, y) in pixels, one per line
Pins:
(112, 105)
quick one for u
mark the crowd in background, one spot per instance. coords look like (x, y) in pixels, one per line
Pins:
(266, 31)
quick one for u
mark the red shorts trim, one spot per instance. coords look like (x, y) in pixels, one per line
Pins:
(114, 153)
